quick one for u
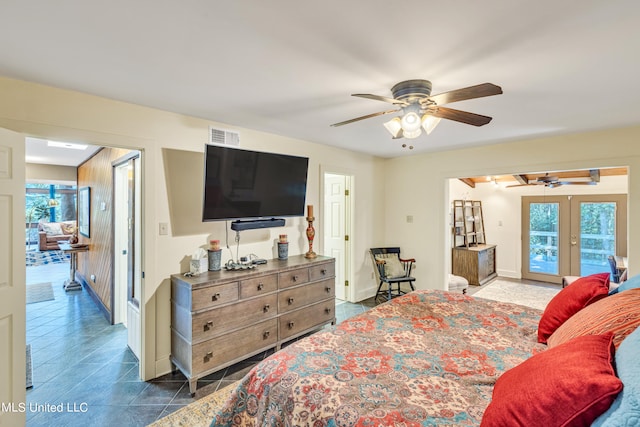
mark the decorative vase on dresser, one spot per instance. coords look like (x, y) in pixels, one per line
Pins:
(219, 318)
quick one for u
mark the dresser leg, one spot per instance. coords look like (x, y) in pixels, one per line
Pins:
(193, 384)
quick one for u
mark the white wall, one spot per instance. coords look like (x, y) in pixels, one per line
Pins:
(502, 205)
(46, 112)
(428, 237)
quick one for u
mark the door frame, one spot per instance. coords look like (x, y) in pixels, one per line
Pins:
(350, 214)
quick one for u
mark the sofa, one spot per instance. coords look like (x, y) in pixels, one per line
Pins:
(50, 233)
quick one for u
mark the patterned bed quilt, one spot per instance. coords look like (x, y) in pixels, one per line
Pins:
(429, 358)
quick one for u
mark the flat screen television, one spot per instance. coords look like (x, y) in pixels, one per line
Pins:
(244, 184)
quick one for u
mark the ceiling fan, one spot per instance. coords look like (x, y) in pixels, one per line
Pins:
(553, 182)
(423, 111)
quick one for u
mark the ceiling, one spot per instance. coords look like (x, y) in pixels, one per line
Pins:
(289, 67)
(38, 151)
(591, 176)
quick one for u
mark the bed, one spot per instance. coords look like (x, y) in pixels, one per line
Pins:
(436, 358)
(426, 358)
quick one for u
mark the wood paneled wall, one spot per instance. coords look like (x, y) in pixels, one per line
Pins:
(97, 174)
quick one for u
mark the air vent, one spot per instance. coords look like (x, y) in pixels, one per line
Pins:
(224, 137)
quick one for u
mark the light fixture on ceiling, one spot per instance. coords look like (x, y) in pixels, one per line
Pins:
(411, 124)
(421, 111)
(73, 146)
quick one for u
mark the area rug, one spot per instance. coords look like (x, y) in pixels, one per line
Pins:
(29, 368)
(534, 296)
(198, 413)
(39, 292)
(35, 258)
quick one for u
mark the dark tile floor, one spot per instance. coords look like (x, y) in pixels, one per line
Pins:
(85, 375)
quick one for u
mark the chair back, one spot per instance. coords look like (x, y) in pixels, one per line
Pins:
(615, 274)
(377, 253)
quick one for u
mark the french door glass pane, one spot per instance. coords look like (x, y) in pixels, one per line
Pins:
(597, 236)
(543, 238)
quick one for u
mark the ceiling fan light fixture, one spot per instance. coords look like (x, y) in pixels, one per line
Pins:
(394, 126)
(411, 123)
(412, 134)
(429, 123)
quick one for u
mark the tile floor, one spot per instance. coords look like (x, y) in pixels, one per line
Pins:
(84, 374)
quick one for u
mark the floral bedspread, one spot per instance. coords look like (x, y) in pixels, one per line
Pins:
(429, 358)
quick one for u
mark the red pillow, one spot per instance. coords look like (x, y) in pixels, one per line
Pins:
(570, 300)
(568, 385)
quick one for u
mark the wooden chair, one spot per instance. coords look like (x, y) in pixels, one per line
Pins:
(391, 269)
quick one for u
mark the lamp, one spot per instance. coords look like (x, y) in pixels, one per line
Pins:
(429, 123)
(410, 124)
(394, 126)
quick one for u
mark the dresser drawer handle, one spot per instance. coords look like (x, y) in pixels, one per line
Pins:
(292, 324)
(208, 325)
(295, 277)
(266, 308)
(260, 286)
(290, 300)
(328, 289)
(215, 297)
(266, 334)
(327, 310)
(208, 356)
(323, 271)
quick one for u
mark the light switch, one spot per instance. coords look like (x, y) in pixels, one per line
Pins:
(163, 229)
(410, 219)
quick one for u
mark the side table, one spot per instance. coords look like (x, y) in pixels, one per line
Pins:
(72, 284)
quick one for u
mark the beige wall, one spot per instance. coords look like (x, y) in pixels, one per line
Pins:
(427, 238)
(50, 174)
(47, 112)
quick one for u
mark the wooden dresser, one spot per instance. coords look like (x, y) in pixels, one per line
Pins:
(476, 263)
(222, 317)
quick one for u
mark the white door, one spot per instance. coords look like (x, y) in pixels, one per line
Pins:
(122, 223)
(12, 279)
(335, 230)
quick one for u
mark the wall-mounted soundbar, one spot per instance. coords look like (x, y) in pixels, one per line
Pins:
(253, 224)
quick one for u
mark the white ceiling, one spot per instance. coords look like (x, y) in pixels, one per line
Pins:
(288, 67)
(39, 151)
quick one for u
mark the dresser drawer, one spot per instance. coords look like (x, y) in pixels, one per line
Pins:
(258, 286)
(218, 321)
(292, 299)
(209, 354)
(323, 271)
(293, 277)
(294, 322)
(213, 296)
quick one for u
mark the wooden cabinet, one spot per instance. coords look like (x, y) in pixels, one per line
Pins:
(222, 317)
(477, 263)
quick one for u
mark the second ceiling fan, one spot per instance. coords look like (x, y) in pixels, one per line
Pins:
(422, 111)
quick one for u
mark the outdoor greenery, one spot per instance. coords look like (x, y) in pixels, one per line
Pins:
(597, 223)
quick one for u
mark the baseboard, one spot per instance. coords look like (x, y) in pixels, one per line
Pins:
(509, 273)
(87, 287)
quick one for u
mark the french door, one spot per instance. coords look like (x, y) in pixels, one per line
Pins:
(571, 235)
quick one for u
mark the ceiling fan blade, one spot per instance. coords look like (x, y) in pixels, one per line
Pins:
(459, 116)
(368, 116)
(471, 92)
(381, 98)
